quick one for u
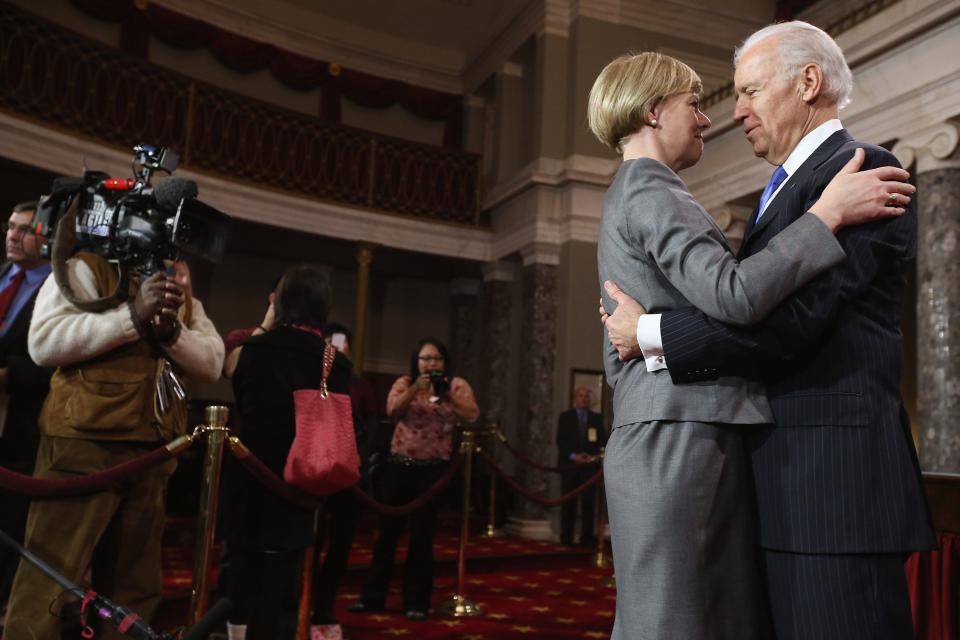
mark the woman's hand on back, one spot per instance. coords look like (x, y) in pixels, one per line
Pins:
(854, 197)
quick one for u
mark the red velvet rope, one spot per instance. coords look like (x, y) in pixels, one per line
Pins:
(405, 509)
(567, 468)
(84, 485)
(523, 491)
(270, 480)
(274, 483)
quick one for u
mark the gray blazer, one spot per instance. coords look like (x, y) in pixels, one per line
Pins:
(666, 252)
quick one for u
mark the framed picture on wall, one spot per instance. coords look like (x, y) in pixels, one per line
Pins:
(592, 380)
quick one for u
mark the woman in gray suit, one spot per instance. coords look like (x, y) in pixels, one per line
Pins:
(675, 470)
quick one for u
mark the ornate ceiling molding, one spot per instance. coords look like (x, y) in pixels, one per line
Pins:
(551, 172)
(541, 253)
(499, 271)
(933, 148)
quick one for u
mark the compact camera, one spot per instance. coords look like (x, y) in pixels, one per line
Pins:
(440, 382)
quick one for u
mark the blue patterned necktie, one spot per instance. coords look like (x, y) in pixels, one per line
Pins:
(775, 181)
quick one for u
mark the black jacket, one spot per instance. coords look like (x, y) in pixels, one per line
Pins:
(271, 367)
(837, 472)
(571, 438)
(27, 387)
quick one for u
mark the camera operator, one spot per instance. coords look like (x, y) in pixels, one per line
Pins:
(428, 404)
(113, 398)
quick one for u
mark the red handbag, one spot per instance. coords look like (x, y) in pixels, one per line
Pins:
(323, 458)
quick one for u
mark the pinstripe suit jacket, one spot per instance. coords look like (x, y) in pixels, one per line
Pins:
(838, 472)
(659, 245)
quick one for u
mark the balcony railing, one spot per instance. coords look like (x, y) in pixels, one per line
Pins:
(54, 76)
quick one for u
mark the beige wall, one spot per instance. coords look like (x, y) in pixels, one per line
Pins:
(579, 333)
(593, 45)
(549, 97)
(403, 310)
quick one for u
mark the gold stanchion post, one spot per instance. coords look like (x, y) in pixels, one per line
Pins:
(491, 530)
(599, 526)
(459, 605)
(215, 428)
(364, 260)
(306, 586)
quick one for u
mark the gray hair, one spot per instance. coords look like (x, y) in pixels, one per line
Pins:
(801, 43)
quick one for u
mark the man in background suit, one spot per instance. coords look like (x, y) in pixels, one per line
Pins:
(580, 436)
(837, 478)
(23, 384)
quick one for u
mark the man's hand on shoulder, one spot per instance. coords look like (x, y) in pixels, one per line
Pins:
(622, 323)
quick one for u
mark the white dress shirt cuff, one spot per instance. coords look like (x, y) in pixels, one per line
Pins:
(650, 342)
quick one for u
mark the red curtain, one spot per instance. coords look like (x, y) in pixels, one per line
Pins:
(298, 72)
(933, 578)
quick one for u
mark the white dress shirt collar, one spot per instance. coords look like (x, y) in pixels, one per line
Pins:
(808, 144)
(804, 149)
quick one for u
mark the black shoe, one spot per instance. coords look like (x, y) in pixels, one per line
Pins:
(415, 615)
(363, 607)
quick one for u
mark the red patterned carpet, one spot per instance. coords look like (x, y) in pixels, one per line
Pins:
(526, 589)
(556, 601)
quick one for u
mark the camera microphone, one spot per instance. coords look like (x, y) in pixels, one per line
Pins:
(171, 191)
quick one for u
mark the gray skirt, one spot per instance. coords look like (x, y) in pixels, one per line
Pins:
(681, 524)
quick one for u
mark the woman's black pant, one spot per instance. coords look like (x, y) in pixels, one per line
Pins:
(401, 484)
(264, 588)
(337, 524)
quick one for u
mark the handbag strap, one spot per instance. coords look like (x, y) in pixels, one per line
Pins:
(328, 355)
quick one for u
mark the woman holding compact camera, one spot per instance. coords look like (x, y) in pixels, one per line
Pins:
(427, 405)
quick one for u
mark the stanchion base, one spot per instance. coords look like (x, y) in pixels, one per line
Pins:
(491, 532)
(459, 606)
(601, 561)
(610, 581)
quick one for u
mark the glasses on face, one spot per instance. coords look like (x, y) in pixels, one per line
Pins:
(18, 229)
(431, 358)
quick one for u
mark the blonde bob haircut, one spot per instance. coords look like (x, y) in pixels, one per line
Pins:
(628, 89)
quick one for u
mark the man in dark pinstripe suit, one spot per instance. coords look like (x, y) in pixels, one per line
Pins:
(838, 485)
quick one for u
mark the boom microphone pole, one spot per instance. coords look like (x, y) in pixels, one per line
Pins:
(120, 617)
(210, 621)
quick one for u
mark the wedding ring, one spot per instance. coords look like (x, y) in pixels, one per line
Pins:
(891, 198)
